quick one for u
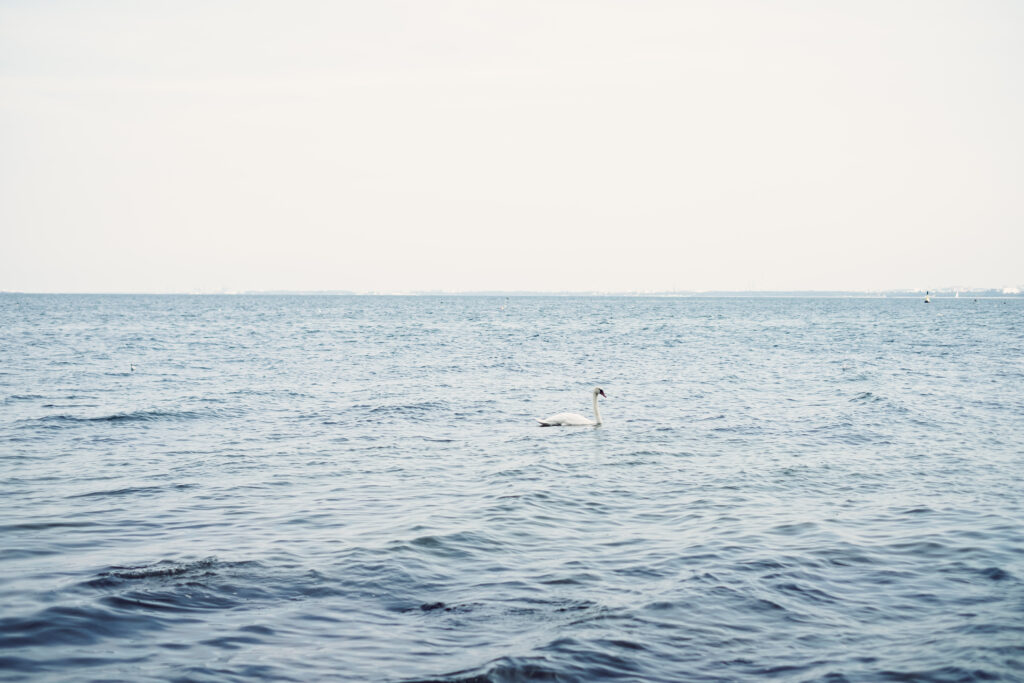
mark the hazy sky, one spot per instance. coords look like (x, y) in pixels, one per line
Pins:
(549, 145)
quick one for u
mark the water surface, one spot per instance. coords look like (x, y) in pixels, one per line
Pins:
(353, 488)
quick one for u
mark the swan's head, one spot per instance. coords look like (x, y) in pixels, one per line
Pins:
(599, 390)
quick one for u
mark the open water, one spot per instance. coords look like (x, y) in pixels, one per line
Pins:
(354, 488)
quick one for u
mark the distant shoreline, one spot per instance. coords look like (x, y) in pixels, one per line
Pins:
(754, 294)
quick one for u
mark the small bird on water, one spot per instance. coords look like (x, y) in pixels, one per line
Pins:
(575, 419)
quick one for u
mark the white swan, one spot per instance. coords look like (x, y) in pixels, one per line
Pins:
(573, 419)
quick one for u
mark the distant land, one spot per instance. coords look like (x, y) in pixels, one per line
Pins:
(896, 293)
(944, 293)
(935, 293)
(1011, 292)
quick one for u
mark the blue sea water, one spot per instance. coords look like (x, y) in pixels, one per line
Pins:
(306, 488)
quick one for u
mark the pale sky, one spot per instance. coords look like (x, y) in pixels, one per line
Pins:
(518, 145)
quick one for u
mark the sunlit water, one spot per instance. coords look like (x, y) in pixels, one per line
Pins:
(354, 488)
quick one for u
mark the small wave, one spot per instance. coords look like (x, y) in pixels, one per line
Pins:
(562, 659)
(868, 397)
(40, 526)
(458, 545)
(916, 511)
(24, 553)
(73, 625)
(135, 416)
(70, 405)
(504, 669)
(441, 607)
(408, 408)
(807, 592)
(996, 574)
(204, 585)
(170, 588)
(132, 490)
(411, 412)
(23, 397)
(162, 569)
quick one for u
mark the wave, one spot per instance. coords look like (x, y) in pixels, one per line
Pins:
(407, 408)
(563, 659)
(163, 569)
(132, 490)
(206, 584)
(399, 411)
(43, 526)
(869, 397)
(126, 417)
(504, 669)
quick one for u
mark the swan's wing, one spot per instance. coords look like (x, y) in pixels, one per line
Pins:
(565, 420)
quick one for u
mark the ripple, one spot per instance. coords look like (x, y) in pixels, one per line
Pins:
(129, 417)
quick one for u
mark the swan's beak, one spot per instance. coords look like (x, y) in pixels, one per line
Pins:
(601, 391)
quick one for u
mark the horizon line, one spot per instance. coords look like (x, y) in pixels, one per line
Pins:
(951, 292)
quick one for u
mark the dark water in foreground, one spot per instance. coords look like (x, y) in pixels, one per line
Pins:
(353, 488)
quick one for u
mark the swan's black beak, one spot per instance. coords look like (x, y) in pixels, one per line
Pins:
(601, 391)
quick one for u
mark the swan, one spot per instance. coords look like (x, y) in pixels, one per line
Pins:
(574, 420)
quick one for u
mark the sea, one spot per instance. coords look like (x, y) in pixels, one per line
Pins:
(355, 488)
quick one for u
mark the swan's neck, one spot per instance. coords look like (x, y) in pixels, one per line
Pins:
(597, 411)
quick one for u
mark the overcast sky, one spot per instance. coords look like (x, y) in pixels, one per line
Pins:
(514, 145)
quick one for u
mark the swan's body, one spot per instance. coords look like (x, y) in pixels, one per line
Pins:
(575, 419)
